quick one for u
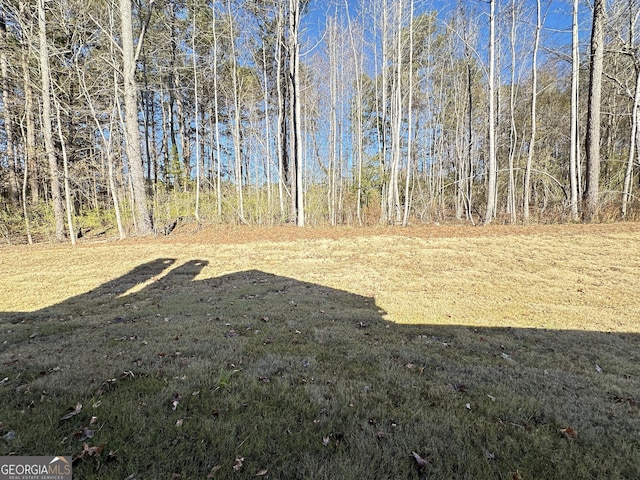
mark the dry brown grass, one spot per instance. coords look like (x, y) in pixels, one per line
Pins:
(560, 277)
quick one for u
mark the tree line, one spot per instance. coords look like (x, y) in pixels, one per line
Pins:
(130, 115)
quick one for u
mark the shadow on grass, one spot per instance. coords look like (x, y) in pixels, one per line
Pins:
(232, 376)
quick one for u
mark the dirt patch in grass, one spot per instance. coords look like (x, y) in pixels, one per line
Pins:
(327, 353)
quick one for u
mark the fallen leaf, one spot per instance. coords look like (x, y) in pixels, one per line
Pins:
(262, 472)
(569, 433)
(237, 464)
(88, 451)
(175, 400)
(422, 463)
(73, 412)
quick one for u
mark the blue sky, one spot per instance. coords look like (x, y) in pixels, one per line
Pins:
(558, 18)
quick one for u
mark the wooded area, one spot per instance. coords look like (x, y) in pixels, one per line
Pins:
(132, 115)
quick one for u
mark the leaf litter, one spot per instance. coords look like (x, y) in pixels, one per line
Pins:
(72, 412)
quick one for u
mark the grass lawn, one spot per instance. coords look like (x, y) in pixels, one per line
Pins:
(440, 353)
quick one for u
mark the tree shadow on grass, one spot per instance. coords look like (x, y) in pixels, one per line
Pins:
(194, 376)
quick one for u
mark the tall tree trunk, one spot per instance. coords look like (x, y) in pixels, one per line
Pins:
(296, 117)
(575, 144)
(216, 115)
(185, 143)
(591, 192)
(468, 168)
(31, 154)
(237, 134)
(58, 208)
(267, 140)
(110, 163)
(132, 133)
(407, 185)
(493, 163)
(65, 171)
(357, 125)
(469, 173)
(633, 137)
(382, 117)
(534, 103)
(196, 212)
(513, 131)
(333, 140)
(393, 201)
(7, 110)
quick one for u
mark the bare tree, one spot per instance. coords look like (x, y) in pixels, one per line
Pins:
(574, 153)
(513, 130)
(633, 139)
(492, 171)
(534, 103)
(295, 110)
(65, 172)
(132, 133)
(216, 115)
(393, 199)
(591, 192)
(635, 112)
(196, 211)
(407, 185)
(237, 139)
(7, 111)
(29, 130)
(58, 208)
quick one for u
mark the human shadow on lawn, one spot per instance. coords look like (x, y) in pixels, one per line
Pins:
(308, 381)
